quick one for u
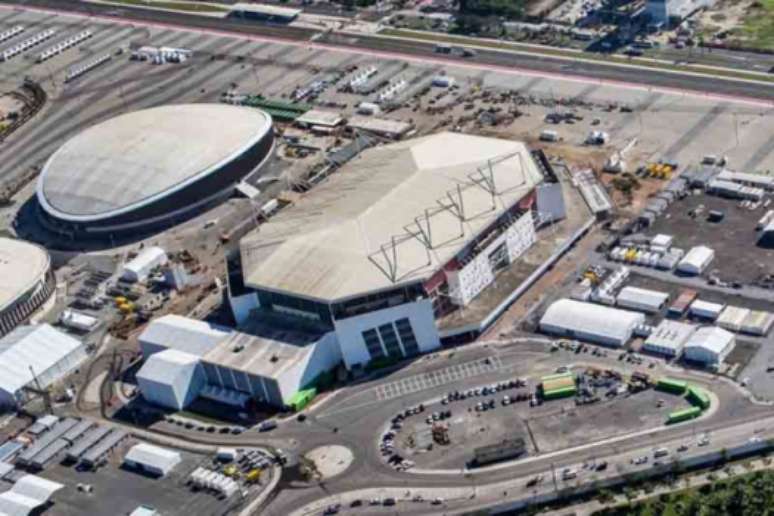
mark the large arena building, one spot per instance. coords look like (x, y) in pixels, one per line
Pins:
(358, 270)
(151, 168)
(26, 281)
(402, 235)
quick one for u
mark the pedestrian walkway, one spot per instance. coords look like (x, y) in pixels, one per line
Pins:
(433, 379)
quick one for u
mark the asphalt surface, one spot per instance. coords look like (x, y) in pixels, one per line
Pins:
(355, 417)
(412, 49)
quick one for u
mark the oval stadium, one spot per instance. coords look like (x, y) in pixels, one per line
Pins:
(26, 281)
(150, 169)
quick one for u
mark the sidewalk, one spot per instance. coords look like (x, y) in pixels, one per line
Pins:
(689, 481)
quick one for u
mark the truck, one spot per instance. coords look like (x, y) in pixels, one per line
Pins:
(549, 135)
(442, 48)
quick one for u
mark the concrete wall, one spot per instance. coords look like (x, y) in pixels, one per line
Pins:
(349, 331)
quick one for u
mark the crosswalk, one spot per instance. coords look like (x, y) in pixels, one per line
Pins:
(437, 378)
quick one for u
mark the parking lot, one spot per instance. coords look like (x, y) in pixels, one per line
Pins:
(119, 491)
(491, 414)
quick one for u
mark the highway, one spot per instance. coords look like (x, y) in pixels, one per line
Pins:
(419, 50)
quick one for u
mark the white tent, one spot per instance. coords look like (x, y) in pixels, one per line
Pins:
(182, 333)
(590, 322)
(27, 494)
(152, 459)
(696, 260)
(41, 349)
(141, 266)
(709, 345)
(171, 378)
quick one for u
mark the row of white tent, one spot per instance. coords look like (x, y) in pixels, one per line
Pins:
(25, 45)
(392, 89)
(161, 55)
(64, 45)
(362, 77)
(208, 479)
(75, 72)
(8, 34)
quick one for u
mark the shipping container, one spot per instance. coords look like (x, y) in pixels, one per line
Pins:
(679, 416)
(698, 397)
(564, 392)
(670, 385)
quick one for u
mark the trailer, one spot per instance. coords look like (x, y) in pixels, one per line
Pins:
(698, 397)
(679, 416)
(672, 386)
(563, 392)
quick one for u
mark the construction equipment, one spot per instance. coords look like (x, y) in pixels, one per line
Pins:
(253, 476)
(616, 164)
(231, 471)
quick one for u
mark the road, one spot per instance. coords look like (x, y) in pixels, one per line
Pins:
(355, 416)
(423, 51)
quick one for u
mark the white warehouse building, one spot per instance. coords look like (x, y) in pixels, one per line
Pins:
(696, 260)
(590, 322)
(140, 267)
(41, 349)
(668, 338)
(642, 300)
(709, 346)
(186, 359)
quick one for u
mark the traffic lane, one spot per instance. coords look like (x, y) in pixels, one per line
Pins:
(564, 69)
(396, 48)
(619, 463)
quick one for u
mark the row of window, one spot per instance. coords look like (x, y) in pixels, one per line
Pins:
(394, 339)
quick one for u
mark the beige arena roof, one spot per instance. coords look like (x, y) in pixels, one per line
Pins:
(22, 265)
(135, 158)
(366, 228)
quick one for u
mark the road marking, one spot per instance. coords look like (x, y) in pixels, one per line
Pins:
(431, 379)
(425, 59)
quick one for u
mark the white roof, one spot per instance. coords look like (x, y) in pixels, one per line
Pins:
(329, 244)
(706, 307)
(144, 510)
(742, 177)
(165, 366)
(661, 240)
(22, 265)
(184, 334)
(710, 338)
(146, 258)
(670, 334)
(39, 347)
(269, 10)
(642, 296)
(591, 318)
(733, 316)
(378, 125)
(136, 158)
(157, 457)
(319, 117)
(697, 258)
(27, 493)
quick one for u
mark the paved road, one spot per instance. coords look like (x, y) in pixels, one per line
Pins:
(491, 59)
(356, 415)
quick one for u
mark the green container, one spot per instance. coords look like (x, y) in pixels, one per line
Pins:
(698, 397)
(670, 385)
(679, 416)
(301, 399)
(555, 394)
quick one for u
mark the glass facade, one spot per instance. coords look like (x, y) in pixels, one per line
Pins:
(373, 344)
(390, 339)
(407, 337)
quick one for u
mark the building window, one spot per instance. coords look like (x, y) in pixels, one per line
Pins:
(406, 333)
(390, 339)
(373, 344)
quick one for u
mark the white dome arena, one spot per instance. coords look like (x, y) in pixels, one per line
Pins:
(151, 167)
